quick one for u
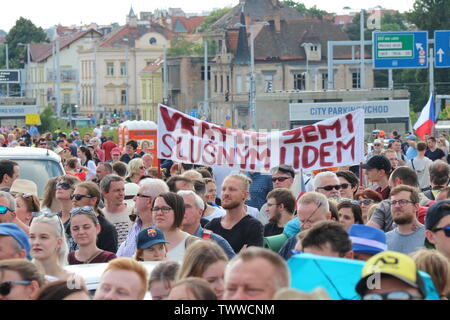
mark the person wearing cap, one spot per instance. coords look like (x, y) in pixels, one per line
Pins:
(437, 224)
(367, 241)
(151, 245)
(9, 171)
(27, 205)
(390, 275)
(378, 169)
(14, 242)
(421, 165)
(115, 155)
(409, 234)
(433, 152)
(411, 152)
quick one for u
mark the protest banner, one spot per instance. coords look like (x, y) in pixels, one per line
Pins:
(332, 142)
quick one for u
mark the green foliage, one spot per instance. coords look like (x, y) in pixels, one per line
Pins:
(181, 46)
(389, 22)
(212, 18)
(413, 116)
(48, 120)
(24, 31)
(430, 15)
(300, 7)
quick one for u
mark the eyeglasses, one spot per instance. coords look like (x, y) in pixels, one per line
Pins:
(85, 209)
(78, 197)
(366, 202)
(281, 179)
(164, 210)
(4, 209)
(445, 229)
(400, 202)
(329, 188)
(142, 167)
(5, 287)
(64, 185)
(394, 295)
(140, 195)
(345, 185)
(309, 218)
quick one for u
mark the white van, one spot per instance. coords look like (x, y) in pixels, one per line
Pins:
(36, 164)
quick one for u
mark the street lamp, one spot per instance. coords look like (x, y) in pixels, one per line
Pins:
(27, 45)
(306, 45)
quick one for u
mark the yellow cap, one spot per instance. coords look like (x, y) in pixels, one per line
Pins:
(392, 263)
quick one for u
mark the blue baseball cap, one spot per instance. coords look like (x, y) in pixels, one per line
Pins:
(411, 137)
(12, 230)
(149, 237)
(367, 239)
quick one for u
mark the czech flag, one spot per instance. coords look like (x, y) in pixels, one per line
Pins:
(426, 120)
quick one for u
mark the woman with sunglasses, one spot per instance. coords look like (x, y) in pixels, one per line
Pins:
(49, 246)
(136, 170)
(84, 228)
(26, 206)
(20, 279)
(49, 201)
(88, 194)
(349, 184)
(85, 156)
(168, 213)
(368, 198)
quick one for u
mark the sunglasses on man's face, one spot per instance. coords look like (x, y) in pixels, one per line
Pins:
(78, 197)
(329, 188)
(5, 287)
(280, 179)
(4, 209)
(445, 229)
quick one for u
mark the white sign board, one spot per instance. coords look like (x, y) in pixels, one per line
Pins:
(17, 111)
(372, 109)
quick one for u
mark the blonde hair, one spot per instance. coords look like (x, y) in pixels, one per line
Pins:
(198, 257)
(133, 166)
(371, 211)
(129, 264)
(436, 265)
(246, 181)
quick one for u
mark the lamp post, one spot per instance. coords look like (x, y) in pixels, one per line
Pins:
(307, 45)
(27, 45)
(7, 66)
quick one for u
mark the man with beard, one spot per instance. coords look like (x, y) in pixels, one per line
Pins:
(237, 227)
(409, 235)
(280, 209)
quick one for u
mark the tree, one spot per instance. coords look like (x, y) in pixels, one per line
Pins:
(300, 7)
(212, 18)
(24, 31)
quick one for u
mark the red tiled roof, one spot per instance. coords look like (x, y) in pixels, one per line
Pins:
(132, 34)
(189, 23)
(156, 65)
(42, 51)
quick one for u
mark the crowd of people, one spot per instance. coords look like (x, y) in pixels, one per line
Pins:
(216, 232)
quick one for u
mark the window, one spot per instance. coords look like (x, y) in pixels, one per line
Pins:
(228, 83)
(238, 84)
(110, 68)
(66, 98)
(248, 83)
(324, 80)
(221, 83)
(123, 97)
(356, 80)
(203, 73)
(268, 83)
(123, 68)
(299, 81)
(215, 83)
(152, 41)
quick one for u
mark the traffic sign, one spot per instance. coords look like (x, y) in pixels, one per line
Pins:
(442, 48)
(398, 50)
(9, 76)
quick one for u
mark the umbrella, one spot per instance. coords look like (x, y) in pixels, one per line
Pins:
(338, 276)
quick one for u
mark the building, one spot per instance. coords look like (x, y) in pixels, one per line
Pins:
(151, 79)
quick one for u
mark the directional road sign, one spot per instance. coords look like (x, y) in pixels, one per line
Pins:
(398, 50)
(442, 48)
(9, 76)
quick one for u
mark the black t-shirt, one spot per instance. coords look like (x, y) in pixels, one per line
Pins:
(126, 158)
(248, 231)
(271, 229)
(434, 155)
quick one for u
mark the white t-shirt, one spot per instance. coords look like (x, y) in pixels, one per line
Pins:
(422, 168)
(121, 221)
(177, 253)
(97, 132)
(217, 213)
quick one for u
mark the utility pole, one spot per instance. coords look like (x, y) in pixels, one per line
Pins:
(95, 82)
(431, 72)
(206, 106)
(252, 80)
(362, 52)
(7, 68)
(126, 82)
(166, 97)
(58, 77)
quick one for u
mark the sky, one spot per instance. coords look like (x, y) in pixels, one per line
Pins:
(47, 13)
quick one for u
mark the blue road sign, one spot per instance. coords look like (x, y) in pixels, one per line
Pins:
(398, 50)
(442, 48)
